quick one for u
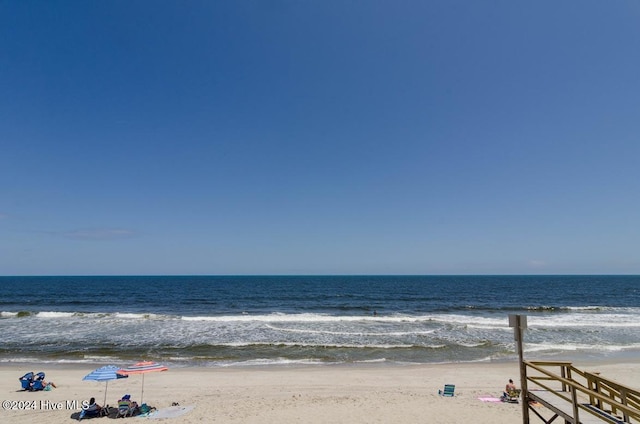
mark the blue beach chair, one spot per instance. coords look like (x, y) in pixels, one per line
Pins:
(26, 381)
(38, 382)
(448, 390)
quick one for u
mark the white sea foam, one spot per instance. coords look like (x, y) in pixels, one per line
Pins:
(585, 320)
(469, 320)
(551, 347)
(372, 361)
(349, 333)
(280, 317)
(579, 317)
(326, 345)
(19, 359)
(55, 314)
(270, 362)
(99, 358)
(432, 336)
(121, 315)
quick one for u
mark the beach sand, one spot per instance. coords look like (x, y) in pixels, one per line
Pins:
(375, 393)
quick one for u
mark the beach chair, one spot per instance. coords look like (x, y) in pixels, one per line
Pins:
(95, 413)
(511, 396)
(37, 385)
(448, 390)
(38, 382)
(126, 408)
(26, 381)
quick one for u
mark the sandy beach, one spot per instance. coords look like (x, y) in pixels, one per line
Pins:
(315, 394)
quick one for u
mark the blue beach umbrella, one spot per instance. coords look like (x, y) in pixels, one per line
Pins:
(106, 373)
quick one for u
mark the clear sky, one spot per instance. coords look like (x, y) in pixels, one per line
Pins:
(319, 137)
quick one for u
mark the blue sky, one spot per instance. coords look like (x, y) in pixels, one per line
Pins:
(319, 137)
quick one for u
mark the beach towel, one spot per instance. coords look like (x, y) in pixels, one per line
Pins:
(489, 399)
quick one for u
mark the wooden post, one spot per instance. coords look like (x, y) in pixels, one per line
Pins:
(623, 400)
(594, 385)
(520, 323)
(574, 401)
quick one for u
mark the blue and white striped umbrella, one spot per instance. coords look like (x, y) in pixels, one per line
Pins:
(106, 373)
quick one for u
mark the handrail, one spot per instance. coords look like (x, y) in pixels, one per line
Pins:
(629, 403)
(627, 395)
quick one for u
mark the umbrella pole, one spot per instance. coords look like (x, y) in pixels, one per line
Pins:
(106, 387)
(142, 394)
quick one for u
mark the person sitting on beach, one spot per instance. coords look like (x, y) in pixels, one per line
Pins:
(39, 383)
(126, 406)
(127, 399)
(91, 410)
(509, 390)
(49, 384)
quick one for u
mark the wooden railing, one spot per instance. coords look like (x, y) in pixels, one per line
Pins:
(585, 391)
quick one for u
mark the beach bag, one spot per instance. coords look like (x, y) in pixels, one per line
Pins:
(144, 408)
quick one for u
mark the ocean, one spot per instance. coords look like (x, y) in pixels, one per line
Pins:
(234, 321)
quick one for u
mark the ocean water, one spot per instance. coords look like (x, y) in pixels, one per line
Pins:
(258, 320)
